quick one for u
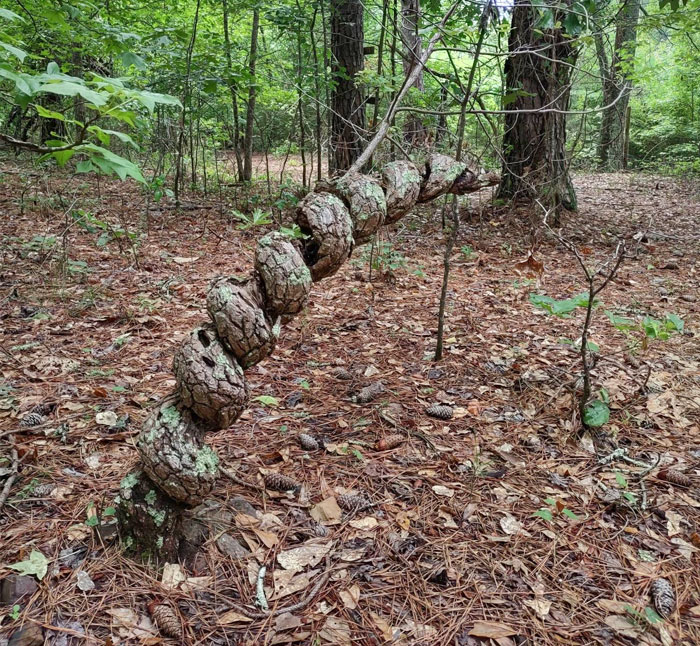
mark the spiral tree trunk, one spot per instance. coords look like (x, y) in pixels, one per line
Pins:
(538, 77)
(178, 470)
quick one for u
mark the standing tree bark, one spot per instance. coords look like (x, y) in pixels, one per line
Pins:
(617, 82)
(233, 90)
(538, 78)
(414, 130)
(347, 104)
(250, 111)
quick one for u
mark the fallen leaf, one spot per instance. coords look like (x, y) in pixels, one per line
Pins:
(510, 525)
(383, 627)
(336, 631)
(622, 625)
(233, 617)
(182, 260)
(673, 523)
(440, 490)
(268, 539)
(540, 606)
(367, 523)
(84, 582)
(37, 564)
(298, 558)
(173, 575)
(287, 621)
(491, 629)
(350, 597)
(327, 511)
(107, 418)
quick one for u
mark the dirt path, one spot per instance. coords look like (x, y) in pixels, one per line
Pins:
(497, 522)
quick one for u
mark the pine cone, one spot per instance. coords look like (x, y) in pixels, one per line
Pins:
(342, 373)
(441, 411)
(370, 392)
(280, 482)
(663, 596)
(676, 478)
(308, 442)
(167, 621)
(350, 502)
(390, 442)
(32, 419)
(320, 530)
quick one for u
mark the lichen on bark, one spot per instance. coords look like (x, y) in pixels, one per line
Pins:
(235, 305)
(441, 172)
(172, 453)
(401, 181)
(286, 278)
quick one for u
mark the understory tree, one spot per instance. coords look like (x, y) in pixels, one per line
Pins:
(538, 71)
(616, 73)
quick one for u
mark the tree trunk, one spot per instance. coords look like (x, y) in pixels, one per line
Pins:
(414, 131)
(617, 82)
(538, 75)
(250, 112)
(348, 120)
(234, 99)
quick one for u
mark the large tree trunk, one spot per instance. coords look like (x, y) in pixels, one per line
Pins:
(617, 82)
(250, 112)
(538, 75)
(414, 130)
(348, 120)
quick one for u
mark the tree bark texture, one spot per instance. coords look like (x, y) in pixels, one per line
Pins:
(177, 469)
(414, 130)
(538, 77)
(617, 82)
(250, 111)
(347, 103)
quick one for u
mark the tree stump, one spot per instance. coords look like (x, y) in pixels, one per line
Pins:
(149, 520)
(235, 305)
(326, 220)
(401, 181)
(286, 279)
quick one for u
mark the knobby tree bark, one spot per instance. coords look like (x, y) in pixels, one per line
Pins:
(347, 104)
(616, 74)
(250, 111)
(538, 78)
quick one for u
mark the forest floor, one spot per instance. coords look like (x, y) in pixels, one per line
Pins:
(499, 526)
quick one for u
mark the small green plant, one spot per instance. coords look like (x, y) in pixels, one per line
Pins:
(40, 244)
(384, 258)
(555, 507)
(157, 190)
(14, 613)
(93, 519)
(467, 252)
(108, 233)
(294, 232)
(641, 331)
(258, 218)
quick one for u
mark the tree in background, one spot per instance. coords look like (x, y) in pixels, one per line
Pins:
(347, 103)
(538, 82)
(616, 74)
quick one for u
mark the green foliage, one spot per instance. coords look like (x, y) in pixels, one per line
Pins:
(35, 565)
(293, 232)
(560, 308)
(596, 413)
(258, 218)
